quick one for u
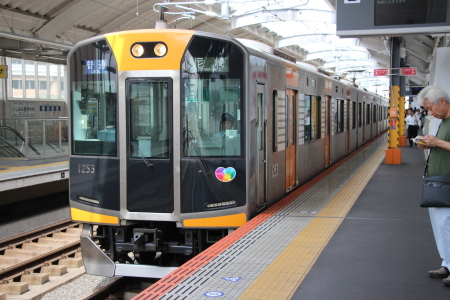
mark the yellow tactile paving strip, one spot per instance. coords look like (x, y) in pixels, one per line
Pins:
(10, 169)
(283, 276)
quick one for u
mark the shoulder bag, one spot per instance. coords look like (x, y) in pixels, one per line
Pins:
(435, 190)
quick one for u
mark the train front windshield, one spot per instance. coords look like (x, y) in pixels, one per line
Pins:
(212, 97)
(93, 82)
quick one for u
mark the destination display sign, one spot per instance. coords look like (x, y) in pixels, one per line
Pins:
(212, 64)
(94, 66)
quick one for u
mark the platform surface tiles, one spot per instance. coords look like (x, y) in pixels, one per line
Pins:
(316, 244)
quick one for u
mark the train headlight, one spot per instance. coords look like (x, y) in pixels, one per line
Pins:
(137, 50)
(148, 49)
(160, 49)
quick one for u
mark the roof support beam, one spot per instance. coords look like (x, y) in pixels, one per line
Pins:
(339, 53)
(304, 39)
(64, 20)
(26, 13)
(350, 64)
(283, 15)
(34, 40)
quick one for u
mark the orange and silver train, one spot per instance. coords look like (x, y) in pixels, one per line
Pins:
(178, 137)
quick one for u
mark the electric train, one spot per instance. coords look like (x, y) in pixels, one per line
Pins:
(156, 177)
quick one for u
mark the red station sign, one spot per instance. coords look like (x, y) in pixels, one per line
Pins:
(380, 72)
(408, 71)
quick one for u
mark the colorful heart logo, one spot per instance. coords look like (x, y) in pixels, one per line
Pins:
(225, 175)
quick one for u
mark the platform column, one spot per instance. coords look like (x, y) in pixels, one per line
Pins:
(4, 93)
(393, 153)
(403, 135)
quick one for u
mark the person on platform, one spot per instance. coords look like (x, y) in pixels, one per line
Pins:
(412, 125)
(437, 102)
(419, 117)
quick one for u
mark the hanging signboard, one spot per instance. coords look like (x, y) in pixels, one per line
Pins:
(408, 71)
(380, 72)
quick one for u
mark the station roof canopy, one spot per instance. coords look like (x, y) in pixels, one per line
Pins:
(45, 30)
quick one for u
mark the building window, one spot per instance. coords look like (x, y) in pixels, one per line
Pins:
(17, 84)
(29, 84)
(31, 80)
(42, 85)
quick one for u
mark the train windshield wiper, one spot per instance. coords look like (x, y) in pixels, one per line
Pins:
(147, 163)
(190, 139)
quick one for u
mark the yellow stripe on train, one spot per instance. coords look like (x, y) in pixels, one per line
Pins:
(85, 216)
(176, 41)
(224, 221)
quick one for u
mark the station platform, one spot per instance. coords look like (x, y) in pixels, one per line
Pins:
(356, 231)
(21, 179)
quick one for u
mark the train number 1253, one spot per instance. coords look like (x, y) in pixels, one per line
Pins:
(84, 169)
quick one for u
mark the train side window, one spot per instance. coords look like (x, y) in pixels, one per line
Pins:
(313, 82)
(286, 125)
(292, 113)
(359, 114)
(367, 114)
(316, 118)
(375, 113)
(307, 118)
(260, 121)
(340, 116)
(312, 118)
(275, 122)
(353, 115)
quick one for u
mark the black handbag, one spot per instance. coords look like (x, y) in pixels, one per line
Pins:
(436, 191)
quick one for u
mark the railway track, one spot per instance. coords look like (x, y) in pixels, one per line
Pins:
(34, 263)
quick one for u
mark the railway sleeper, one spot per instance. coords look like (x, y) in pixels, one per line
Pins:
(23, 253)
(28, 280)
(38, 247)
(15, 288)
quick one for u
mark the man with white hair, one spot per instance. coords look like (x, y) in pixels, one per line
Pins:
(436, 100)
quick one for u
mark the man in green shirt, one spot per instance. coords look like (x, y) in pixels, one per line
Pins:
(436, 100)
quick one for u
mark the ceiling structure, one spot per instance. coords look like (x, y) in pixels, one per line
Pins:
(45, 30)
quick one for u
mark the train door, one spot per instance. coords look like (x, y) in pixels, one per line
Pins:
(261, 148)
(149, 158)
(328, 131)
(291, 125)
